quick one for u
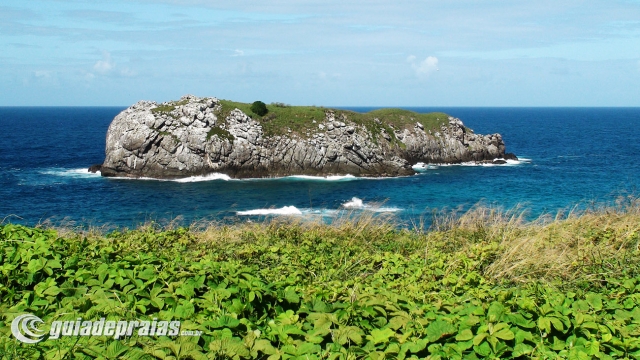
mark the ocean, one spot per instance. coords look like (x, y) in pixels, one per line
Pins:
(569, 157)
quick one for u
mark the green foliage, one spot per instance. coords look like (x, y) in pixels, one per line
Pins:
(284, 291)
(259, 108)
(300, 119)
(167, 108)
(164, 108)
(223, 134)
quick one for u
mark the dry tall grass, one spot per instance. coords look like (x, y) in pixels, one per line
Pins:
(591, 243)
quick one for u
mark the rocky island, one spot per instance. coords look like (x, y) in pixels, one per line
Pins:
(199, 136)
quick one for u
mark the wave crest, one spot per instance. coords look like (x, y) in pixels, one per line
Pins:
(422, 167)
(72, 173)
(285, 210)
(357, 203)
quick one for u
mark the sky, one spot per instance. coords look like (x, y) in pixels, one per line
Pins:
(329, 53)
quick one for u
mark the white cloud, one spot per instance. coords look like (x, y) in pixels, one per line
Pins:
(45, 77)
(425, 67)
(105, 65)
(332, 76)
(238, 53)
(128, 72)
(42, 74)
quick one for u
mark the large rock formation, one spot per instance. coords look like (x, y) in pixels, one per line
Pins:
(186, 138)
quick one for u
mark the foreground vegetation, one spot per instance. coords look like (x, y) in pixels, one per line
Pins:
(483, 285)
(279, 118)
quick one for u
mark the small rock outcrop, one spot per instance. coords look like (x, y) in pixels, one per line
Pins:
(187, 138)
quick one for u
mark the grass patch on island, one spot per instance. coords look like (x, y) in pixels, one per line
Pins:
(486, 284)
(167, 108)
(299, 119)
(223, 134)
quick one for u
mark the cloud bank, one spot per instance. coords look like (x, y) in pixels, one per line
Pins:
(498, 53)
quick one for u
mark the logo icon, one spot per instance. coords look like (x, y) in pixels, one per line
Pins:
(25, 328)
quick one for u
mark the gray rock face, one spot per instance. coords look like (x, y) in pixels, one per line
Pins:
(187, 138)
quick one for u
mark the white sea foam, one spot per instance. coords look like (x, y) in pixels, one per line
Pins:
(422, 166)
(385, 209)
(286, 210)
(321, 212)
(354, 203)
(225, 177)
(209, 177)
(357, 203)
(200, 178)
(219, 176)
(327, 178)
(70, 173)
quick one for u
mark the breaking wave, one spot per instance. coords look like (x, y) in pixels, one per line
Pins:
(421, 167)
(353, 204)
(327, 178)
(81, 173)
(285, 210)
(357, 203)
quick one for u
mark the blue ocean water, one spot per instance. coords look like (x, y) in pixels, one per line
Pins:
(572, 156)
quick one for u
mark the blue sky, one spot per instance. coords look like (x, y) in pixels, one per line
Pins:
(374, 53)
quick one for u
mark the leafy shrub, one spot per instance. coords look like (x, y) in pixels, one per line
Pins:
(358, 290)
(259, 108)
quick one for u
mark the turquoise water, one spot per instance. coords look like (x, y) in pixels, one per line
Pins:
(571, 156)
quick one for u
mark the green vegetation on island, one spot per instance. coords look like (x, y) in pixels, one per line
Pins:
(300, 119)
(483, 285)
(222, 133)
(167, 108)
(259, 108)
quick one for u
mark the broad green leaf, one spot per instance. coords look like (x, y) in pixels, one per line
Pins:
(557, 324)
(439, 329)
(393, 348)
(578, 353)
(495, 312)
(416, 346)
(291, 296)
(544, 324)
(54, 264)
(479, 338)
(397, 322)
(115, 349)
(521, 336)
(593, 348)
(225, 321)
(264, 346)
(36, 265)
(464, 335)
(307, 348)
(380, 335)
(53, 291)
(504, 334)
(521, 350)
(147, 273)
(595, 300)
(483, 349)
